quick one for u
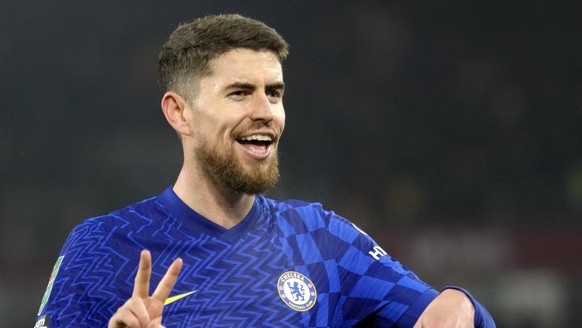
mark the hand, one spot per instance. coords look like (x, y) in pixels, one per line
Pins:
(451, 309)
(141, 310)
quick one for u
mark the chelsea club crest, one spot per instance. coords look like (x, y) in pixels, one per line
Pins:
(297, 291)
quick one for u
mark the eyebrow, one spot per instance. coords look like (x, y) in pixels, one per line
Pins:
(277, 85)
(250, 86)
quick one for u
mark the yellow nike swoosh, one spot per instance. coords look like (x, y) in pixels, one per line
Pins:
(177, 297)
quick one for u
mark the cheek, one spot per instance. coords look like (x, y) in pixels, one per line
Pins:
(280, 118)
(212, 128)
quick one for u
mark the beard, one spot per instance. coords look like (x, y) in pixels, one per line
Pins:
(226, 170)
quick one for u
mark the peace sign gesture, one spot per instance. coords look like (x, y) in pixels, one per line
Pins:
(142, 310)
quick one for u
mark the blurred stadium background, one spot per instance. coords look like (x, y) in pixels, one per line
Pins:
(449, 130)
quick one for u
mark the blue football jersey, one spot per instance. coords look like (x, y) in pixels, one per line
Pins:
(289, 264)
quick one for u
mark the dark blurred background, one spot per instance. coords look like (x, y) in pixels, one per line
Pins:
(448, 130)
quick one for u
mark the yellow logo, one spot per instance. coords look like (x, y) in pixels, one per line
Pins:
(177, 297)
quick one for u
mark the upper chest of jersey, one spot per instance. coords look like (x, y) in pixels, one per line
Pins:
(237, 285)
(261, 276)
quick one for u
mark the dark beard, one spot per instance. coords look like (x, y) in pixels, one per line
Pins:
(227, 171)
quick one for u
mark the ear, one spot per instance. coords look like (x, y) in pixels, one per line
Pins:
(174, 107)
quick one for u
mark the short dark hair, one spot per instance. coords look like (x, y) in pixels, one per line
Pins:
(186, 54)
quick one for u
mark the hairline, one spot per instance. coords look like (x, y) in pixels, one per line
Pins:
(187, 84)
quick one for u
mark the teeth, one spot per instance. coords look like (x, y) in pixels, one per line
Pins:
(257, 137)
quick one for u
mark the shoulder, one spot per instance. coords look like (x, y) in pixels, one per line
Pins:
(298, 213)
(99, 229)
(302, 216)
(122, 217)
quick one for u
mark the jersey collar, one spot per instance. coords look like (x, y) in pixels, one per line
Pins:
(195, 222)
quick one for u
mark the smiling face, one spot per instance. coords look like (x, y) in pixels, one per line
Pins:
(236, 119)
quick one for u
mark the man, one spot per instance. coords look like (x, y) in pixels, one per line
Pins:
(220, 254)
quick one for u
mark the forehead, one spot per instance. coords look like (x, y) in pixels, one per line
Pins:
(247, 64)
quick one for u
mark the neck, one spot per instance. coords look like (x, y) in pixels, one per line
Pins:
(220, 205)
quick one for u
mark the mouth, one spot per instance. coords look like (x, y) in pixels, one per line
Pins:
(257, 146)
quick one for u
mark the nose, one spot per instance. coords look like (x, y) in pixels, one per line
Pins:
(263, 109)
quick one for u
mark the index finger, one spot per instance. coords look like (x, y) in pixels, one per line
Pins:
(168, 281)
(142, 278)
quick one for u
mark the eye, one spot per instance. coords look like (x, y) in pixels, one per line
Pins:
(238, 94)
(275, 95)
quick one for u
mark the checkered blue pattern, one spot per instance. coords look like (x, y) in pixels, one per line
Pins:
(234, 272)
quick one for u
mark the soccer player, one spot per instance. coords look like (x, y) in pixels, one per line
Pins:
(211, 250)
